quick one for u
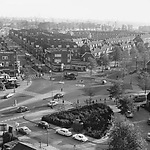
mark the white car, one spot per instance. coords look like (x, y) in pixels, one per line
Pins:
(52, 103)
(24, 130)
(148, 136)
(80, 137)
(63, 131)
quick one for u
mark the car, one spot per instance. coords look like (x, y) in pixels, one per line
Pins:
(8, 95)
(143, 105)
(140, 98)
(70, 76)
(58, 95)
(148, 121)
(148, 136)
(22, 109)
(63, 131)
(24, 130)
(43, 124)
(129, 114)
(52, 103)
(80, 137)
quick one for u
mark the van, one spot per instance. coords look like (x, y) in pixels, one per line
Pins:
(140, 98)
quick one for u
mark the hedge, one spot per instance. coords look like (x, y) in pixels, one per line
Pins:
(96, 118)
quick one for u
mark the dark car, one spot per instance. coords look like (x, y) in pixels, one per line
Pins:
(22, 109)
(148, 121)
(57, 96)
(70, 76)
(10, 84)
(43, 124)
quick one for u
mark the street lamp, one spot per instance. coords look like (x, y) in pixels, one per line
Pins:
(15, 61)
(47, 137)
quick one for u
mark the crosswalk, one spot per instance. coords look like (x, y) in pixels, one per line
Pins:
(35, 76)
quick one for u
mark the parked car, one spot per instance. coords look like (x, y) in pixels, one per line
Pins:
(22, 109)
(148, 121)
(63, 131)
(148, 136)
(24, 130)
(70, 76)
(129, 114)
(8, 95)
(143, 105)
(43, 124)
(140, 98)
(11, 83)
(58, 95)
(52, 103)
(80, 137)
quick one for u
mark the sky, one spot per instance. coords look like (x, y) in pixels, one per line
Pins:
(102, 10)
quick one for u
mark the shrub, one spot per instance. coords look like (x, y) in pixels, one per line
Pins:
(96, 118)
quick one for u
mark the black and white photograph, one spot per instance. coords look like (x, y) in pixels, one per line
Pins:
(74, 75)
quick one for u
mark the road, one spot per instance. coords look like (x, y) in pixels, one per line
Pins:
(41, 135)
(38, 88)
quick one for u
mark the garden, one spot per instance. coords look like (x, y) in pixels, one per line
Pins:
(96, 119)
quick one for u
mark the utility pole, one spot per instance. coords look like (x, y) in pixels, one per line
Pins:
(15, 62)
(47, 137)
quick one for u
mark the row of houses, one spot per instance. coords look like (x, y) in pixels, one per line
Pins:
(66, 52)
(73, 53)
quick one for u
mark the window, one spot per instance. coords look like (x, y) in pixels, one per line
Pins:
(6, 64)
(4, 57)
(68, 60)
(57, 60)
(57, 55)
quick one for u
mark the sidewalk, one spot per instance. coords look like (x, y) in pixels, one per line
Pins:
(22, 87)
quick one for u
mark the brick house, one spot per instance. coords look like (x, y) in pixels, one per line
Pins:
(55, 57)
(8, 61)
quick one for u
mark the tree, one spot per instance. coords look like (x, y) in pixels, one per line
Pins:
(93, 64)
(116, 90)
(90, 92)
(117, 54)
(104, 60)
(7, 137)
(125, 136)
(125, 104)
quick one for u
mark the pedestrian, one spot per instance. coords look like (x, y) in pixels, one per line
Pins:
(61, 89)
(96, 100)
(100, 99)
(138, 108)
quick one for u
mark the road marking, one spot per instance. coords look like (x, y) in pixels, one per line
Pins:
(10, 119)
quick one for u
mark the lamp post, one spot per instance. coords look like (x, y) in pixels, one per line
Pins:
(15, 61)
(136, 63)
(47, 137)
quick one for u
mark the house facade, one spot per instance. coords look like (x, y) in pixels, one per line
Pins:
(8, 62)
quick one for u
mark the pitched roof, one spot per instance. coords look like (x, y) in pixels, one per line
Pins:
(23, 146)
(87, 53)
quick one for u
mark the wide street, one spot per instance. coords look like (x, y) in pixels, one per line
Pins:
(32, 96)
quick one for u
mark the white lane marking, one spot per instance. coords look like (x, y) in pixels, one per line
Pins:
(15, 118)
